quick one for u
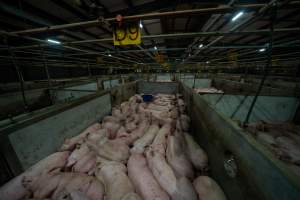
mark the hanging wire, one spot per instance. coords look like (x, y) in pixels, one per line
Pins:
(48, 75)
(19, 73)
(268, 63)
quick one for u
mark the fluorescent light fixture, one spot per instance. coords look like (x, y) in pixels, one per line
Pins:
(200, 45)
(141, 25)
(53, 41)
(155, 47)
(237, 16)
(262, 50)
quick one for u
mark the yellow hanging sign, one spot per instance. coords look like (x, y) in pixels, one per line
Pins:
(126, 34)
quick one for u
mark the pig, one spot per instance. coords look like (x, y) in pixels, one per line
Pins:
(183, 123)
(70, 144)
(140, 144)
(288, 150)
(130, 126)
(122, 132)
(86, 164)
(42, 186)
(70, 182)
(155, 107)
(265, 139)
(14, 189)
(177, 158)
(162, 172)
(160, 141)
(136, 99)
(162, 117)
(131, 196)
(137, 133)
(111, 119)
(143, 180)
(77, 195)
(115, 150)
(77, 154)
(118, 114)
(196, 154)
(180, 102)
(208, 189)
(101, 133)
(112, 128)
(174, 113)
(115, 179)
(178, 188)
(126, 109)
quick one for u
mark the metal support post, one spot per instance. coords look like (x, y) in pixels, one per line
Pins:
(89, 70)
(268, 63)
(46, 68)
(20, 76)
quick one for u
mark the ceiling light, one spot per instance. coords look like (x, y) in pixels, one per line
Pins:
(237, 16)
(53, 41)
(109, 55)
(262, 50)
(207, 62)
(155, 47)
(141, 25)
(189, 54)
(200, 45)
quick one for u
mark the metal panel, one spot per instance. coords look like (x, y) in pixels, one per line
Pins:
(108, 84)
(36, 141)
(188, 81)
(157, 87)
(163, 77)
(267, 108)
(260, 175)
(203, 83)
(115, 82)
(235, 87)
(75, 92)
(12, 103)
(122, 93)
(197, 83)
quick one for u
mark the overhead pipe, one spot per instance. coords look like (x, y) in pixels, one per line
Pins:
(285, 44)
(211, 47)
(154, 15)
(236, 27)
(45, 43)
(160, 36)
(208, 25)
(36, 19)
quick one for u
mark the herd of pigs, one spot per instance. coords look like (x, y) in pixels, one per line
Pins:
(283, 139)
(142, 151)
